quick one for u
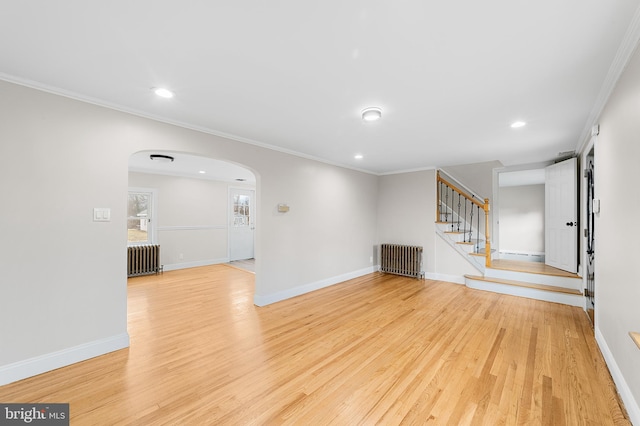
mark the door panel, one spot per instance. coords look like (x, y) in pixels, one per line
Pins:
(241, 224)
(561, 215)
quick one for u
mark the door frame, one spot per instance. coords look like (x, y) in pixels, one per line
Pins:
(495, 201)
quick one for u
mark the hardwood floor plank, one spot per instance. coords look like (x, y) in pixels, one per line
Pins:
(378, 349)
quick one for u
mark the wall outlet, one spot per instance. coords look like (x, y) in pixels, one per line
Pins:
(180, 256)
(370, 259)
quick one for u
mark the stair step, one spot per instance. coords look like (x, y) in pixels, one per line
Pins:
(543, 287)
(545, 276)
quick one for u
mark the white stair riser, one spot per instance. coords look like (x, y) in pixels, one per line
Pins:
(565, 282)
(467, 248)
(530, 293)
(477, 263)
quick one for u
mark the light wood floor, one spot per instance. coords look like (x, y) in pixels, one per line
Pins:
(379, 349)
(245, 264)
(530, 267)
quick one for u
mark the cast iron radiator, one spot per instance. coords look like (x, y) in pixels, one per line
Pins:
(401, 260)
(143, 260)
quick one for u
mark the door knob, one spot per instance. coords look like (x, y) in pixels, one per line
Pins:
(572, 224)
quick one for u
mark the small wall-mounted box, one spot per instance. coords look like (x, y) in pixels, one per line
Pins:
(283, 208)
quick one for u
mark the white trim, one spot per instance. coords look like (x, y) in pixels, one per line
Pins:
(267, 299)
(573, 283)
(530, 293)
(620, 61)
(456, 279)
(194, 264)
(631, 405)
(41, 364)
(190, 228)
(116, 107)
(402, 171)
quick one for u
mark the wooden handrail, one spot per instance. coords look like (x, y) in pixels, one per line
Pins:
(461, 191)
(636, 338)
(485, 207)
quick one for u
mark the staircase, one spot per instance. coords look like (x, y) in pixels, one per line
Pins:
(472, 251)
(517, 278)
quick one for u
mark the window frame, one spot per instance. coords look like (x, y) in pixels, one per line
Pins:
(152, 225)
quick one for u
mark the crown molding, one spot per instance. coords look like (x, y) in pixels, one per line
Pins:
(101, 103)
(623, 55)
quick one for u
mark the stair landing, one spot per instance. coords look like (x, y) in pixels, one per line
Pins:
(530, 279)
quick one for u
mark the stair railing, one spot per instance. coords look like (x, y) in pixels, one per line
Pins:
(459, 209)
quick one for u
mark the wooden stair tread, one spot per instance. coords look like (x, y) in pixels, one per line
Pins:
(525, 284)
(465, 242)
(531, 268)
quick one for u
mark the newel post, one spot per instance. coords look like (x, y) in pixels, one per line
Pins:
(487, 245)
(438, 206)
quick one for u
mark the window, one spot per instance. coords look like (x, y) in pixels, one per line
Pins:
(241, 210)
(140, 221)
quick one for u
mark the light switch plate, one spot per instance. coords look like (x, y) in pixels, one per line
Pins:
(101, 214)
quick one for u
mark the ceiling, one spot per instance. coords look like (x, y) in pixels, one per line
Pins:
(191, 166)
(450, 77)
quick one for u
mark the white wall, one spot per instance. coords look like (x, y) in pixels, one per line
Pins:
(407, 215)
(617, 292)
(521, 210)
(406, 212)
(63, 276)
(478, 177)
(191, 218)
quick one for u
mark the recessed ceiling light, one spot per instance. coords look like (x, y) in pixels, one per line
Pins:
(358, 156)
(202, 172)
(518, 124)
(371, 114)
(163, 93)
(161, 158)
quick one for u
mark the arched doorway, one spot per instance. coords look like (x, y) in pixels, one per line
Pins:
(193, 215)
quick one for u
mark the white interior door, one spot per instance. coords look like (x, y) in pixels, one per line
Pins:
(561, 215)
(241, 223)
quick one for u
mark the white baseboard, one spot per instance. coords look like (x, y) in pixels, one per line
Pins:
(633, 409)
(194, 264)
(41, 364)
(444, 277)
(267, 299)
(525, 256)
